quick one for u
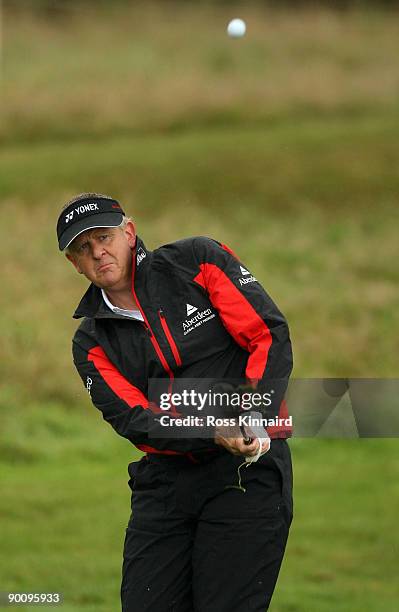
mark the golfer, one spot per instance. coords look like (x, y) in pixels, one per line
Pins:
(210, 515)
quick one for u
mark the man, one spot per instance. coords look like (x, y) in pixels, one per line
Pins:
(205, 534)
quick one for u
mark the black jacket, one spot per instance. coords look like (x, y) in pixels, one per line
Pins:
(205, 316)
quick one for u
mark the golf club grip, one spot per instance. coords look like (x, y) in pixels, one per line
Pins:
(247, 439)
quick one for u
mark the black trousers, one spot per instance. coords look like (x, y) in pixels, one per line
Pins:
(206, 537)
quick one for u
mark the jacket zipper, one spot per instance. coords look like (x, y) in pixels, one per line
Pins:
(155, 344)
(169, 337)
(154, 341)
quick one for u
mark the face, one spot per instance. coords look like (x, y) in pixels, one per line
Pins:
(104, 256)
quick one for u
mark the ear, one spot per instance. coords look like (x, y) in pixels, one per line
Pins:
(130, 233)
(74, 262)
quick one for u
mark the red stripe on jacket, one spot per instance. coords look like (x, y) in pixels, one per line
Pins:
(114, 379)
(229, 250)
(124, 390)
(149, 449)
(239, 318)
(246, 327)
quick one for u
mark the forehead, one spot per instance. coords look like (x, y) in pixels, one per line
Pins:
(91, 233)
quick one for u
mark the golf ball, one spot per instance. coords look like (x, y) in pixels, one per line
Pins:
(236, 28)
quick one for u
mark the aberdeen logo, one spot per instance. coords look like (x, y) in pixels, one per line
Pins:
(190, 309)
(141, 254)
(248, 277)
(245, 281)
(197, 320)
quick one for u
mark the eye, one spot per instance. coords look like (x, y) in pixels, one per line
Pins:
(83, 248)
(103, 237)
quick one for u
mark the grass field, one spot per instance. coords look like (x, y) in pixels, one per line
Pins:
(66, 511)
(283, 145)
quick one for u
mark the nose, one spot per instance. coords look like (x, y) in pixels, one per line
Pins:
(97, 250)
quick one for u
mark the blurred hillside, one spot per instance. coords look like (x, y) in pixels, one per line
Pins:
(287, 137)
(283, 144)
(147, 67)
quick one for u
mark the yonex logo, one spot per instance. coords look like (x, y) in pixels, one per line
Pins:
(84, 208)
(244, 271)
(190, 309)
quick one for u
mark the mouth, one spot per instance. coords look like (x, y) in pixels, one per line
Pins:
(104, 267)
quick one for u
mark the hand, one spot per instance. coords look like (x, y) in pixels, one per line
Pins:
(232, 440)
(263, 448)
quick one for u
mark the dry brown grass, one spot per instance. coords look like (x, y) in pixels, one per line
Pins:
(152, 65)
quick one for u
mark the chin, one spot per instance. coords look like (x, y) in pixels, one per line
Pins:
(107, 281)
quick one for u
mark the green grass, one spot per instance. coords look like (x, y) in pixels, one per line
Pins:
(343, 545)
(65, 520)
(66, 509)
(282, 145)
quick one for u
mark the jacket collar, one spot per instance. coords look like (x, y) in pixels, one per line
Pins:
(92, 304)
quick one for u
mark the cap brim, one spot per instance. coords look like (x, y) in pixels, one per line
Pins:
(110, 219)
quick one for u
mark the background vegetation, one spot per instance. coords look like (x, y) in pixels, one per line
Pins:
(284, 145)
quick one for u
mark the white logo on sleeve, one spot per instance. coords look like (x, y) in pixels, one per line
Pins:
(89, 382)
(248, 277)
(141, 254)
(190, 309)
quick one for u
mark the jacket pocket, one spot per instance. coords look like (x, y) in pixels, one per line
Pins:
(169, 337)
(133, 469)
